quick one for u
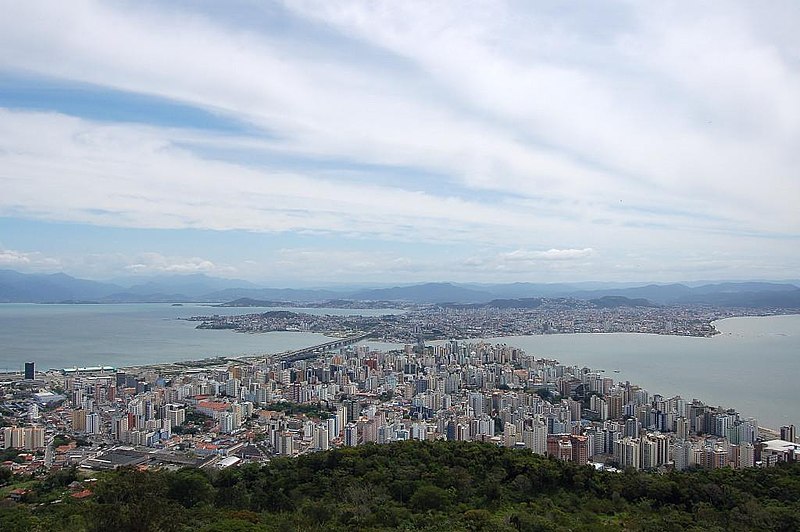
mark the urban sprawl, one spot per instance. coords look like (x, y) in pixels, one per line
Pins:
(438, 322)
(220, 413)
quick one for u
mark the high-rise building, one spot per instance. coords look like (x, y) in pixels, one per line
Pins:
(351, 435)
(683, 455)
(320, 438)
(535, 438)
(747, 455)
(713, 457)
(632, 426)
(476, 402)
(119, 428)
(79, 420)
(627, 452)
(580, 449)
(743, 455)
(286, 441)
(226, 422)
(648, 454)
(615, 404)
(30, 371)
(509, 435)
(93, 423)
(682, 428)
(28, 438)
(788, 433)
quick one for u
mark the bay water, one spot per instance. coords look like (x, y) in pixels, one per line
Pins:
(752, 366)
(59, 336)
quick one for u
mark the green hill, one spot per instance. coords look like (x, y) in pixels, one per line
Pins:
(420, 486)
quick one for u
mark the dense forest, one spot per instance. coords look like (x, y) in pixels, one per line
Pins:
(411, 486)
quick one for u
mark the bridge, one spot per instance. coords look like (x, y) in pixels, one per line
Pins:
(315, 350)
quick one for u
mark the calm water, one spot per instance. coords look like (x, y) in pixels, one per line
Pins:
(753, 366)
(57, 336)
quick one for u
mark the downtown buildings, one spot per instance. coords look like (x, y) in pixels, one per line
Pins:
(354, 396)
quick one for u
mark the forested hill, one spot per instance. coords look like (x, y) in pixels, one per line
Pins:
(416, 486)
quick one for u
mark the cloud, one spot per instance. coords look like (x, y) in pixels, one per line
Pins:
(27, 261)
(535, 104)
(140, 176)
(551, 254)
(156, 263)
(349, 265)
(666, 129)
(523, 264)
(673, 105)
(109, 265)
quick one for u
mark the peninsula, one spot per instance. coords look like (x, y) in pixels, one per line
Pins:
(532, 316)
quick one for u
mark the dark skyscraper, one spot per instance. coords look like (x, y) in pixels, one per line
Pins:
(29, 371)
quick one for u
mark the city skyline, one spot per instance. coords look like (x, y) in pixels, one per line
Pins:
(309, 142)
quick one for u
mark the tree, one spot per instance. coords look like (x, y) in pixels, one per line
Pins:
(133, 500)
(429, 497)
(5, 475)
(190, 487)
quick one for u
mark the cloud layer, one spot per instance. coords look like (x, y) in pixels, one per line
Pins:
(648, 137)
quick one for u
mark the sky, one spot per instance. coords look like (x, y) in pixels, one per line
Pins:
(314, 142)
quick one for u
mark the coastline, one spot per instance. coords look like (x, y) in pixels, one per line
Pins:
(580, 359)
(570, 348)
(727, 318)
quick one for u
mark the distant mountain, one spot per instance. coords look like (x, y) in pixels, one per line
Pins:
(273, 294)
(528, 290)
(733, 288)
(620, 301)
(249, 302)
(745, 294)
(18, 287)
(657, 293)
(191, 286)
(425, 293)
(128, 297)
(789, 299)
(527, 302)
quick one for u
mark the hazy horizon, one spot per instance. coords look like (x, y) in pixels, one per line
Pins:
(316, 143)
(311, 284)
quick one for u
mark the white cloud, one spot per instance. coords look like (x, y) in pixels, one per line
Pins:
(109, 265)
(493, 103)
(147, 263)
(551, 254)
(681, 107)
(136, 176)
(666, 129)
(349, 265)
(534, 265)
(27, 261)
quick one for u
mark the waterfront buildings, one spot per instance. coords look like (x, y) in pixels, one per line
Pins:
(353, 396)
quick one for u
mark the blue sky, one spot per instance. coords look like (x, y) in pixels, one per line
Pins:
(313, 142)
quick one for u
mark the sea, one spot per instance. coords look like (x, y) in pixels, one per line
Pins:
(62, 336)
(753, 365)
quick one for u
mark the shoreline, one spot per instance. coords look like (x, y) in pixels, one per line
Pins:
(216, 362)
(720, 320)
(221, 357)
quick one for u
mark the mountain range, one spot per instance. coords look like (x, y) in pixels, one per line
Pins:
(16, 287)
